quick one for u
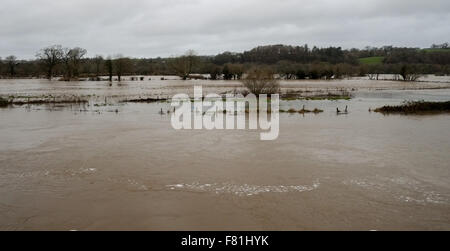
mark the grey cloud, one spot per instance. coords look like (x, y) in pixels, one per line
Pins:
(143, 28)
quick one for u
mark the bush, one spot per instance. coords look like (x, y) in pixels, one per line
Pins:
(412, 107)
(3, 102)
(409, 73)
(261, 81)
(301, 74)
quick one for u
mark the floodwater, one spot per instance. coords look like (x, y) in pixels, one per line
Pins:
(112, 165)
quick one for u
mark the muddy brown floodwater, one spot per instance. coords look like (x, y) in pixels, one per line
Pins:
(113, 165)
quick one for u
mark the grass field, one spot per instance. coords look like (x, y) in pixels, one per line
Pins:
(371, 60)
(436, 50)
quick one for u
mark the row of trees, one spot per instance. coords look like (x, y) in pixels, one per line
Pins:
(290, 71)
(317, 70)
(273, 54)
(70, 59)
(441, 46)
(290, 62)
(71, 62)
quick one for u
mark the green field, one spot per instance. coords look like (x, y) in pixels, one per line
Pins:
(436, 50)
(371, 60)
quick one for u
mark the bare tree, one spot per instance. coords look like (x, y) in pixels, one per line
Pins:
(261, 81)
(50, 57)
(68, 70)
(11, 62)
(1, 66)
(76, 56)
(236, 70)
(374, 72)
(184, 65)
(98, 60)
(409, 73)
(122, 66)
(109, 68)
(214, 71)
(72, 60)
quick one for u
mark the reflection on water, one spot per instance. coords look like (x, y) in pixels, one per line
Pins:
(112, 165)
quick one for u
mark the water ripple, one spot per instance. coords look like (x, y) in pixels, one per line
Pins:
(242, 190)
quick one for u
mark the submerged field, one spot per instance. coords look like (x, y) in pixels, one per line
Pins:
(109, 164)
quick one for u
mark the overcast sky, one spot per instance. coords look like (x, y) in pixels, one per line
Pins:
(151, 28)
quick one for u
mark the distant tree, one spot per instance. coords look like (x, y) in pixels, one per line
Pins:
(261, 80)
(109, 68)
(11, 62)
(409, 72)
(227, 57)
(337, 71)
(183, 65)
(344, 70)
(236, 70)
(363, 70)
(300, 73)
(227, 74)
(72, 60)
(316, 62)
(272, 54)
(122, 66)
(50, 58)
(76, 56)
(1, 66)
(286, 69)
(98, 61)
(374, 71)
(328, 71)
(316, 71)
(214, 71)
(440, 46)
(68, 73)
(65, 59)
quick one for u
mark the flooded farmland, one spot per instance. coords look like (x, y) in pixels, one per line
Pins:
(110, 164)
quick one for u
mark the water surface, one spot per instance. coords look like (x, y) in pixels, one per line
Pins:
(122, 166)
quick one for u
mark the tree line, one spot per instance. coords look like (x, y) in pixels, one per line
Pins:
(289, 62)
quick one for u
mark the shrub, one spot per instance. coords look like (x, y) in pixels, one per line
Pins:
(412, 107)
(261, 81)
(409, 73)
(3, 102)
